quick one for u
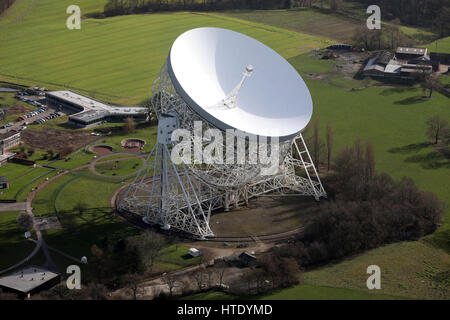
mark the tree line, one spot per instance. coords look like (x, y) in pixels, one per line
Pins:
(119, 7)
(365, 210)
(425, 13)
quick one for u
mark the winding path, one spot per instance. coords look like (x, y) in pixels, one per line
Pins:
(40, 242)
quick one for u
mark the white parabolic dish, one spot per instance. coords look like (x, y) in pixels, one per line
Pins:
(206, 64)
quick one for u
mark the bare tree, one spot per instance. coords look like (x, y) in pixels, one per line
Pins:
(151, 245)
(129, 125)
(133, 283)
(316, 143)
(329, 138)
(172, 282)
(198, 277)
(209, 277)
(220, 270)
(436, 127)
(370, 159)
(430, 83)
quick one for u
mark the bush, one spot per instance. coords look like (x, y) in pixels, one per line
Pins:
(368, 210)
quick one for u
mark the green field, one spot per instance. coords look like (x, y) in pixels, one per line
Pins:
(119, 168)
(115, 59)
(336, 26)
(118, 58)
(22, 177)
(13, 245)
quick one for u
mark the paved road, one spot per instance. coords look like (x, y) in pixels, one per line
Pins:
(13, 206)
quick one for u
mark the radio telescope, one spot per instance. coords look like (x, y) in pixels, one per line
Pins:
(217, 80)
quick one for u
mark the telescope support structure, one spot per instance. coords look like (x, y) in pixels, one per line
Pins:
(176, 196)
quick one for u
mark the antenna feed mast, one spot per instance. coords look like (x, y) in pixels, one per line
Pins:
(229, 101)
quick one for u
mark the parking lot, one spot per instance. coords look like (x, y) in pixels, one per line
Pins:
(35, 117)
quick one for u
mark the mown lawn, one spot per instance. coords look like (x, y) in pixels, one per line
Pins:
(119, 167)
(117, 58)
(80, 232)
(20, 184)
(13, 245)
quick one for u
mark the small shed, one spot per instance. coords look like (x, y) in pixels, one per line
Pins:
(194, 252)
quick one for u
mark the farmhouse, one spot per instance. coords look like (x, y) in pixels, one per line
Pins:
(247, 259)
(406, 64)
(29, 280)
(89, 112)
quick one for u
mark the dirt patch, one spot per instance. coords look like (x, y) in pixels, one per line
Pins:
(133, 145)
(17, 109)
(263, 215)
(47, 223)
(57, 140)
(102, 150)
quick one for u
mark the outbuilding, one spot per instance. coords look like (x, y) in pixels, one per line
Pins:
(194, 252)
(29, 280)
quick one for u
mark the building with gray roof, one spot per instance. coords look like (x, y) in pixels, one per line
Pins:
(89, 112)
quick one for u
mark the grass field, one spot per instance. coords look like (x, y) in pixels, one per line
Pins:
(336, 26)
(81, 231)
(418, 271)
(19, 183)
(119, 168)
(443, 45)
(117, 58)
(13, 245)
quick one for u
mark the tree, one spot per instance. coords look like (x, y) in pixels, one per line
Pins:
(220, 270)
(436, 127)
(316, 143)
(329, 138)
(198, 277)
(172, 282)
(25, 221)
(94, 291)
(151, 245)
(335, 5)
(50, 153)
(133, 281)
(129, 125)
(30, 151)
(370, 160)
(431, 83)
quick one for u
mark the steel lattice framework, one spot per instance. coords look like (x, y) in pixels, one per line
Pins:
(183, 196)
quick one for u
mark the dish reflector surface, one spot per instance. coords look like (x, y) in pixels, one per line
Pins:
(207, 64)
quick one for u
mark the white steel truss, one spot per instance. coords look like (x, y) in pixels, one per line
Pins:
(184, 196)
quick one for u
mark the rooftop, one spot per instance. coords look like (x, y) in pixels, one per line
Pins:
(89, 104)
(8, 134)
(417, 51)
(27, 279)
